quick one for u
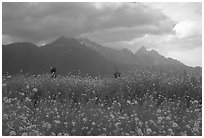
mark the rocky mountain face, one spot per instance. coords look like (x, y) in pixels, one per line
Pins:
(66, 54)
(141, 57)
(72, 55)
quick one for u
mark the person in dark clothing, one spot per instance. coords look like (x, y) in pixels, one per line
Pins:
(117, 74)
(53, 72)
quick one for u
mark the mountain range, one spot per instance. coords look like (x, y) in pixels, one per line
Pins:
(80, 55)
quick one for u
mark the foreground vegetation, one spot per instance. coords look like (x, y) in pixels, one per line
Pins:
(142, 102)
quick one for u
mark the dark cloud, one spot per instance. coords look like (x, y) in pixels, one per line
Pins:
(124, 33)
(40, 21)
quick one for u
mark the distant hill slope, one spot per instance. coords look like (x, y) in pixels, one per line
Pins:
(67, 54)
(22, 56)
(109, 53)
(141, 57)
(72, 55)
(154, 58)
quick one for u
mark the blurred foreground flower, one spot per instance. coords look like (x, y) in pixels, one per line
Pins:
(12, 133)
(35, 89)
(25, 134)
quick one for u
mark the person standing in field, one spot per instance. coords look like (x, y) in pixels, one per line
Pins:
(117, 73)
(53, 72)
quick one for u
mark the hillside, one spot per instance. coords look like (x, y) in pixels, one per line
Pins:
(66, 54)
(72, 55)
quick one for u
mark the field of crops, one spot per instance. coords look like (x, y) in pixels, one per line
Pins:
(140, 103)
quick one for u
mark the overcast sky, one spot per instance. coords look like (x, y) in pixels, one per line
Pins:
(173, 29)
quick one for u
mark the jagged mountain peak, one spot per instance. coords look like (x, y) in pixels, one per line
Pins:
(62, 37)
(64, 41)
(142, 50)
(143, 47)
(154, 52)
(87, 42)
(127, 51)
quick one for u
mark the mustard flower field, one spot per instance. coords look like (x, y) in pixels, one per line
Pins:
(141, 103)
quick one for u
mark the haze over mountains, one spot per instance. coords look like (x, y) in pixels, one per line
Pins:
(74, 54)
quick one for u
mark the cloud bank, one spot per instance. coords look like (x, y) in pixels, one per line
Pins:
(170, 28)
(109, 21)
